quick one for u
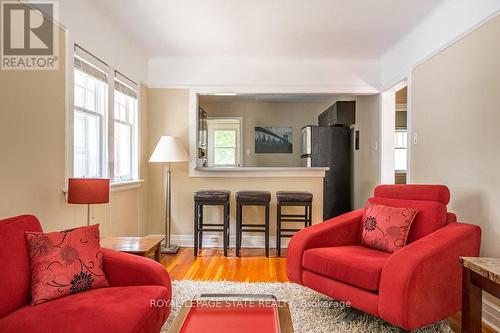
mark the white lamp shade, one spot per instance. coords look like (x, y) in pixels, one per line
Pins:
(169, 149)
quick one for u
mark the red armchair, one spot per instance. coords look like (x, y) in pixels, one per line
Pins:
(415, 286)
(125, 306)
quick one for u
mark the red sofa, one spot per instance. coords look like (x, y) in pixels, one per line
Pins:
(415, 286)
(122, 307)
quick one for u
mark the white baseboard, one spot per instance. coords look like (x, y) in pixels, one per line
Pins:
(491, 314)
(215, 240)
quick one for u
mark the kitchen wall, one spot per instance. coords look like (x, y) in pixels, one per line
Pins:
(269, 114)
(169, 115)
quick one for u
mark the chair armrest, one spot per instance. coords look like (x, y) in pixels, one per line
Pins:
(421, 283)
(341, 230)
(123, 269)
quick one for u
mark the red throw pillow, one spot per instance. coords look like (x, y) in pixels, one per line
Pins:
(64, 262)
(386, 228)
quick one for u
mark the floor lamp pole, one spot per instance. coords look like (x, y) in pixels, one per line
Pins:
(168, 248)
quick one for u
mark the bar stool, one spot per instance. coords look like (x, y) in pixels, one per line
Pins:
(210, 198)
(252, 198)
(292, 198)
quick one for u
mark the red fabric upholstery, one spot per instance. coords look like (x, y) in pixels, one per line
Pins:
(116, 309)
(139, 270)
(361, 299)
(414, 280)
(430, 217)
(123, 307)
(422, 283)
(438, 193)
(356, 265)
(341, 230)
(386, 228)
(15, 275)
(65, 262)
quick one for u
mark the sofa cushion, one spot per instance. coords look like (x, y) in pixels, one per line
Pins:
(65, 262)
(114, 309)
(356, 265)
(430, 217)
(15, 272)
(386, 228)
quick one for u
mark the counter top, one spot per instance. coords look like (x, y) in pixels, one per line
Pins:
(260, 172)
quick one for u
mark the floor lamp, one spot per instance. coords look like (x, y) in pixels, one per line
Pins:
(169, 149)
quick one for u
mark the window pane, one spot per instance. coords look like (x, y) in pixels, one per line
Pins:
(401, 139)
(224, 156)
(224, 138)
(400, 156)
(87, 150)
(123, 151)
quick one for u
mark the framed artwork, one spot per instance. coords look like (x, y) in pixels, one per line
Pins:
(273, 140)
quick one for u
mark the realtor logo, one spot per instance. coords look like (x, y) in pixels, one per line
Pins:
(29, 38)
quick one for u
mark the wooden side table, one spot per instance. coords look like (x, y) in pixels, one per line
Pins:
(478, 274)
(149, 247)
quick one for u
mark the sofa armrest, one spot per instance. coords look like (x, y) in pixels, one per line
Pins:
(421, 283)
(341, 230)
(123, 269)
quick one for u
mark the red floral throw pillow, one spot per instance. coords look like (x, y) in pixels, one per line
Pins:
(386, 228)
(64, 262)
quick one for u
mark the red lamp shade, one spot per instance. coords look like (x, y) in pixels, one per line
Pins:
(88, 190)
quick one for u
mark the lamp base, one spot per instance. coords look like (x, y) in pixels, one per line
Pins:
(171, 249)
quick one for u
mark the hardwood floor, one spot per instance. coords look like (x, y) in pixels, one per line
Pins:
(252, 266)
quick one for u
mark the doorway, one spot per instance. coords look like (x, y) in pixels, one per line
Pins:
(394, 135)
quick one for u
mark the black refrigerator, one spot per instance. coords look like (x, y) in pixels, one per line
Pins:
(330, 147)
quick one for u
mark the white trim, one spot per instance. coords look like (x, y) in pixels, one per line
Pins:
(491, 314)
(345, 90)
(262, 172)
(126, 185)
(248, 240)
(401, 76)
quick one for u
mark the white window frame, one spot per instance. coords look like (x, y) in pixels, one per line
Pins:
(396, 148)
(107, 125)
(224, 124)
(134, 124)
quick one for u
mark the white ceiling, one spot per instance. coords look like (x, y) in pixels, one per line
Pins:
(266, 28)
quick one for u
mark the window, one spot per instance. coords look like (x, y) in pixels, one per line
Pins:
(90, 114)
(401, 150)
(103, 148)
(224, 142)
(125, 120)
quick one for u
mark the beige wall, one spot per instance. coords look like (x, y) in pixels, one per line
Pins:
(456, 113)
(366, 163)
(269, 114)
(168, 115)
(32, 156)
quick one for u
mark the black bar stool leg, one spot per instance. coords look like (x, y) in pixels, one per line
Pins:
(200, 226)
(226, 228)
(267, 230)
(239, 211)
(278, 231)
(196, 223)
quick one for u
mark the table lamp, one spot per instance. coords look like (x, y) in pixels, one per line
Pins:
(88, 191)
(169, 149)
